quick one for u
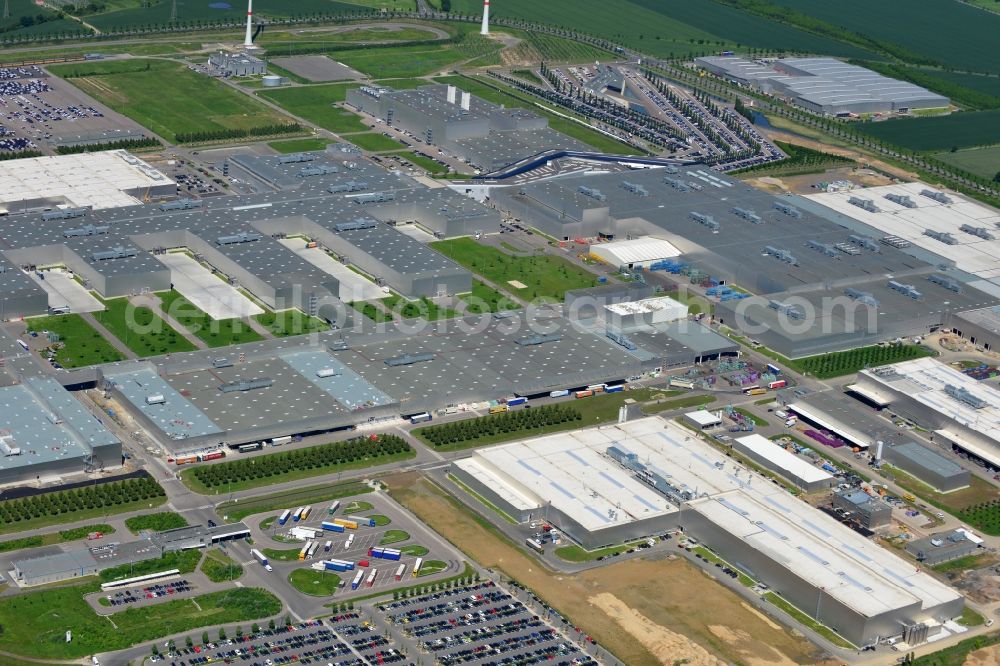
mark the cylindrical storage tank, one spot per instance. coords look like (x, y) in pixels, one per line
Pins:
(271, 81)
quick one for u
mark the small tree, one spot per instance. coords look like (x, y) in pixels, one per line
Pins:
(222, 633)
(270, 623)
(239, 631)
(155, 649)
(255, 628)
(288, 620)
(188, 642)
(204, 637)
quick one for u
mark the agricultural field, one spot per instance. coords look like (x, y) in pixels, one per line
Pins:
(961, 130)
(983, 162)
(279, 43)
(197, 12)
(213, 332)
(919, 29)
(314, 103)
(535, 47)
(141, 329)
(838, 364)
(27, 18)
(197, 103)
(79, 344)
(374, 142)
(418, 60)
(543, 276)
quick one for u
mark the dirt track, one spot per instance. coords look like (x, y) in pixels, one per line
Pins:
(646, 612)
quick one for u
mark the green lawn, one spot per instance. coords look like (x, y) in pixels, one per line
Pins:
(574, 553)
(371, 311)
(185, 561)
(357, 506)
(282, 555)
(956, 654)
(393, 536)
(545, 276)
(233, 511)
(807, 621)
(407, 61)
(314, 583)
(681, 403)
(983, 162)
(35, 623)
(290, 322)
(753, 417)
(213, 332)
(431, 567)
(219, 567)
(142, 331)
(484, 298)
(380, 520)
(422, 308)
(315, 104)
(482, 500)
(55, 537)
(374, 142)
(79, 344)
(157, 522)
(424, 162)
(414, 550)
(299, 145)
(197, 102)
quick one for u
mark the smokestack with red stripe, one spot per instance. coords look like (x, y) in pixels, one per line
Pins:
(248, 40)
(486, 18)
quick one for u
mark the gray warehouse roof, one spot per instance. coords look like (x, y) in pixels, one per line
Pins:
(928, 459)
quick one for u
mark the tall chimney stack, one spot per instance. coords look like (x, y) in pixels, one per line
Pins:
(466, 100)
(248, 40)
(485, 30)
(451, 94)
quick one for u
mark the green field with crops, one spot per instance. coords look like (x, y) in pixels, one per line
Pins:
(197, 103)
(193, 12)
(315, 104)
(951, 33)
(983, 162)
(962, 130)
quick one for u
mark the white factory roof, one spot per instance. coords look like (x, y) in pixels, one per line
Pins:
(703, 418)
(99, 179)
(571, 471)
(854, 571)
(791, 465)
(635, 250)
(925, 379)
(668, 308)
(979, 256)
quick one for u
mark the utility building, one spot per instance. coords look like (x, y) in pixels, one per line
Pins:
(940, 473)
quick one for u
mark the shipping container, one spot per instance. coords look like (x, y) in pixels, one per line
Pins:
(416, 567)
(362, 520)
(747, 389)
(514, 402)
(370, 581)
(681, 383)
(333, 508)
(357, 579)
(561, 393)
(400, 571)
(332, 527)
(420, 418)
(259, 556)
(617, 388)
(283, 518)
(781, 383)
(584, 394)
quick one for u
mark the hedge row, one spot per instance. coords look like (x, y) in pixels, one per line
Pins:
(127, 144)
(237, 133)
(90, 497)
(448, 434)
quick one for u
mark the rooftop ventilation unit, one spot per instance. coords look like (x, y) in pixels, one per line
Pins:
(788, 210)
(349, 186)
(789, 309)
(181, 204)
(338, 345)
(635, 189)
(828, 250)
(373, 91)
(905, 289)
(847, 248)
(85, 230)
(946, 282)
(236, 239)
(863, 204)
(747, 215)
(863, 297)
(895, 241)
(621, 339)
(981, 232)
(592, 193)
(246, 385)
(695, 186)
(538, 339)
(940, 197)
(706, 220)
(942, 236)
(780, 255)
(356, 225)
(374, 197)
(157, 399)
(117, 252)
(296, 157)
(902, 200)
(7, 446)
(65, 214)
(885, 372)
(321, 170)
(866, 242)
(408, 359)
(677, 184)
(222, 363)
(671, 169)
(323, 373)
(964, 395)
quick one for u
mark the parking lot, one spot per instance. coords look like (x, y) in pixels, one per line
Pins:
(123, 598)
(306, 643)
(365, 640)
(480, 624)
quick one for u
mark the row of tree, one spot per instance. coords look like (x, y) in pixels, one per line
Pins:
(126, 144)
(310, 458)
(107, 495)
(223, 134)
(448, 434)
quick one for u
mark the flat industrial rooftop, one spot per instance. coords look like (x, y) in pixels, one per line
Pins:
(851, 419)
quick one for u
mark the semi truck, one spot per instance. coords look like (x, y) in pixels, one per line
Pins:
(420, 418)
(327, 546)
(617, 388)
(283, 518)
(297, 514)
(514, 402)
(260, 557)
(333, 508)
(362, 520)
(338, 565)
(370, 581)
(561, 393)
(332, 527)
(358, 577)
(384, 553)
(305, 512)
(343, 522)
(416, 566)
(304, 552)
(400, 571)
